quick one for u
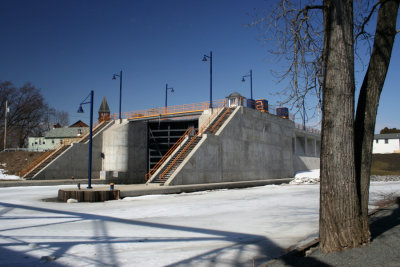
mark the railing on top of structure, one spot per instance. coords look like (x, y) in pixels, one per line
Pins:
(171, 110)
(307, 129)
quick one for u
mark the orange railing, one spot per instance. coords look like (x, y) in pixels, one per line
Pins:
(218, 122)
(45, 156)
(171, 110)
(190, 144)
(170, 151)
(182, 154)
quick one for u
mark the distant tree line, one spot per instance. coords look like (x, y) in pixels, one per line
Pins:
(387, 130)
(29, 114)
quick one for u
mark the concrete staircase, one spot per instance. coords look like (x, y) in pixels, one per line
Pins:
(31, 174)
(174, 163)
(49, 158)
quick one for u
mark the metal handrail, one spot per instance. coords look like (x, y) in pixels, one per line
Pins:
(170, 151)
(44, 157)
(171, 110)
(199, 133)
(48, 154)
(183, 153)
(213, 129)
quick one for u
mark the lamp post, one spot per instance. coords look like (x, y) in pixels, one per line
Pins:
(5, 125)
(251, 82)
(80, 110)
(120, 90)
(204, 60)
(166, 94)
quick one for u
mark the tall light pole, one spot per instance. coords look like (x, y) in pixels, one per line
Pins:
(120, 91)
(166, 94)
(5, 125)
(204, 60)
(251, 82)
(80, 110)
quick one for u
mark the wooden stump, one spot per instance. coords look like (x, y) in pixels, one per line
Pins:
(88, 195)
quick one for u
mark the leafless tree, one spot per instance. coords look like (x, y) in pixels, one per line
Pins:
(27, 114)
(317, 39)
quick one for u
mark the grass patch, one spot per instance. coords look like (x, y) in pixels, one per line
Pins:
(385, 164)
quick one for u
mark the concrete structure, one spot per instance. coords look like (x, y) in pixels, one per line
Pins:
(386, 143)
(125, 148)
(250, 145)
(247, 145)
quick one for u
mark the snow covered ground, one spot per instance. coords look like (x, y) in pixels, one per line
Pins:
(211, 228)
(5, 176)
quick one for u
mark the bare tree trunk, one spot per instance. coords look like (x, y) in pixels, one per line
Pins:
(340, 220)
(369, 99)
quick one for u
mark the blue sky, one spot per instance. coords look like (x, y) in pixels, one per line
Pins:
(68, 48)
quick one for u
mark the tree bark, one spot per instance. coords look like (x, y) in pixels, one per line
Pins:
(340, 220)
(368, 101)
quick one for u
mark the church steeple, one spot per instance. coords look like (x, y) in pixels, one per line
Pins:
(104, 111)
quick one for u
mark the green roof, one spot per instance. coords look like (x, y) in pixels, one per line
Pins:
(387, 136)
(66, 132)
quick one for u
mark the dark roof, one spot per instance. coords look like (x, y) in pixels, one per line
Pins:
(387, 136)
(78, 124)
(104, 106)
(66, 132)
(234, 95)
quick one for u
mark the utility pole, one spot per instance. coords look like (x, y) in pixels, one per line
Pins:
(5, 126)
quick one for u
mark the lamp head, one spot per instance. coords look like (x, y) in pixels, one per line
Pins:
(114, 78)
(80, 109)
(172, 90)
(204, 58)
(243, 80)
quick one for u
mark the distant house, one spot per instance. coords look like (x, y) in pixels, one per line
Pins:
(78, 124)
(55, 137)
(386, 143)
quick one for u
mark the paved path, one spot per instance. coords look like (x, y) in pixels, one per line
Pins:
(383, 250)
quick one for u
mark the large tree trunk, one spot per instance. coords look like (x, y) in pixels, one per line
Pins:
(340, 220)
(367, 106)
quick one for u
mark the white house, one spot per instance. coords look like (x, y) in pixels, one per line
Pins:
(386, 143)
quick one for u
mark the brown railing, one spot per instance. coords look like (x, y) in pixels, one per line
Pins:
(170, 151)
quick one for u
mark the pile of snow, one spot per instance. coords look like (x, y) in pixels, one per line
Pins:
(306, 177)
(4, 176)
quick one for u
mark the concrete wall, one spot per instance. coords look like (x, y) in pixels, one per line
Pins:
(125, 152)
(251, 145)
(303, 163)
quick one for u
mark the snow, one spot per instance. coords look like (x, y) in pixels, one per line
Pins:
(210, 228)
(4, 176)
(306, 177)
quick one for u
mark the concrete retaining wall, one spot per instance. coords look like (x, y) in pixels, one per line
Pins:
(252, 146)
(125, 152)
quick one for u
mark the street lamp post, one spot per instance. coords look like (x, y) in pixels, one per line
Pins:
(251, 82)
(205, 59)
(120, 90)
(166, 94)
(80, 110)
